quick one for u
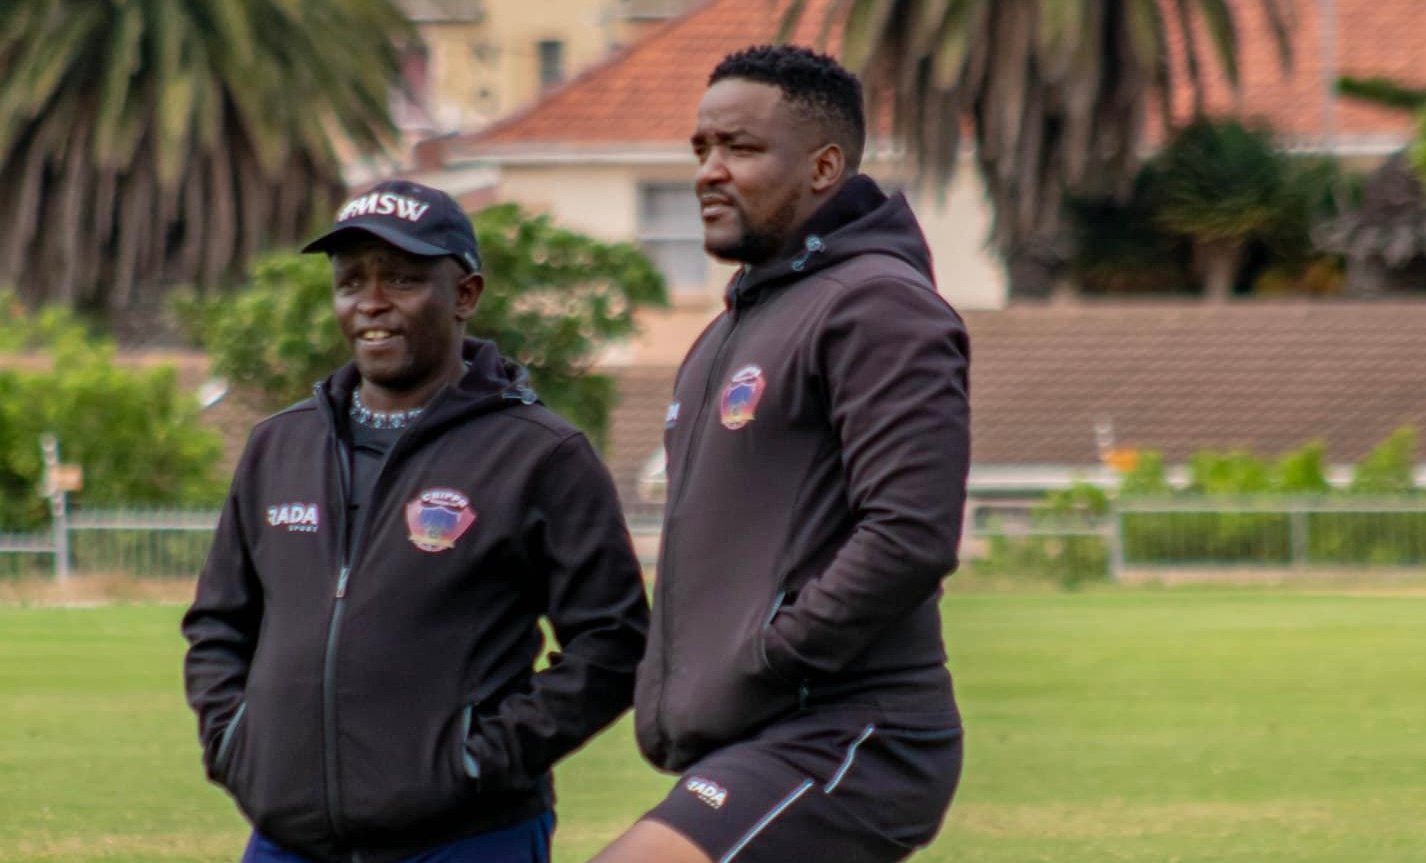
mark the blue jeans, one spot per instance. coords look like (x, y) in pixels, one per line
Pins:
(526, 842)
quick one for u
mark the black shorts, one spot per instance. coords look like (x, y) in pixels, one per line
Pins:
(828, 786)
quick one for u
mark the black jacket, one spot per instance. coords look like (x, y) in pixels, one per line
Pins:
(817, 452)
(373, 706)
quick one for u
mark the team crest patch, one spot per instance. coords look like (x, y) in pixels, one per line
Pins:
(741, 397)
(707, 790)
(437, 518)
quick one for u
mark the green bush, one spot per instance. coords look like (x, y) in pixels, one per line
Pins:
(1267, 537)
(1069, 559)
(136, 435)
(1197, 533)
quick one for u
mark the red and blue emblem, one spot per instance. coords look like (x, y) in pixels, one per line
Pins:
(739, 405)
(437, 518)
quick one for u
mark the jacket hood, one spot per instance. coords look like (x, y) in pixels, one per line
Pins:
(491, 380)
(859, 219)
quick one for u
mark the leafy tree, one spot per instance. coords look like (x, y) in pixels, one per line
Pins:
(1118, 247)
(1391, 93)
(161, 141)
(1146, 477)
(1225, 185)
(1232, 472)
(1382, 91)
(553, 298)
(133, 431)
(1302, 471)
(1390, 467)
(1058, 92)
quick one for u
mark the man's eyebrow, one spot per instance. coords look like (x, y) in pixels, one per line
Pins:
(699, 137)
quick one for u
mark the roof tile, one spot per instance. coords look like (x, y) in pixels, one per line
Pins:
(649, 92)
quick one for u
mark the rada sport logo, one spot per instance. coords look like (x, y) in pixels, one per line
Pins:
(739, 405)
(296, 517)
(437, 518)
(707, 790)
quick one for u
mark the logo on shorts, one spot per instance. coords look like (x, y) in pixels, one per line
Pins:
(741, 396)
(670, 417)
(296, 517)
(437, 518)
(707, 790)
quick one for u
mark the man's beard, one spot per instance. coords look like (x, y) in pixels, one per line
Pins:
(760, 244)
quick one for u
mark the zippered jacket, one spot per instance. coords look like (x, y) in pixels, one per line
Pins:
(371, 703)
(817, 448)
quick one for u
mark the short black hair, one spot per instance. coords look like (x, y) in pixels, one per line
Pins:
(816, 84)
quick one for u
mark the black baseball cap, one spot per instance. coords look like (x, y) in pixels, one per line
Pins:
(412, 217)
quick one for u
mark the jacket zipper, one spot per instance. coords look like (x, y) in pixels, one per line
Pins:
(329, 658)
(350, 546)
(349, 557)
(666, 553)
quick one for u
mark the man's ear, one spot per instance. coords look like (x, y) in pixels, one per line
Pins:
(829, 166)
(468, 291)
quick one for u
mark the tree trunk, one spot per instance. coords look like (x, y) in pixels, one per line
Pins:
(1218, 267)
(1035, 267)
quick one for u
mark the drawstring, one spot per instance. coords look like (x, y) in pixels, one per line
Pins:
(524, 395)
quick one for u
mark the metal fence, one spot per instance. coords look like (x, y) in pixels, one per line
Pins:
(1148, 537)
(1191, 536)
(153, 542)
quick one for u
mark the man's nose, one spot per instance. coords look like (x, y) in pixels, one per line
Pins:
(371, 296)
(711, 170)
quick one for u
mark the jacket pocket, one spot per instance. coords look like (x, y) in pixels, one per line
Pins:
(768, 664)
(414, 778)
(218, 769)
(727, 690)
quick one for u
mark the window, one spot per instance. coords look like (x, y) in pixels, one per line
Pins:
(671, 234)
(551, 53)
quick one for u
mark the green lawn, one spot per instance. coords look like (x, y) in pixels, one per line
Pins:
(1110, 725)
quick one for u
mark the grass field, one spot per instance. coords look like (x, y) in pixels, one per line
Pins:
(1142, 724)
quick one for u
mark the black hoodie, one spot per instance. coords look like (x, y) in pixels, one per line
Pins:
(817, 452)
(369, 705)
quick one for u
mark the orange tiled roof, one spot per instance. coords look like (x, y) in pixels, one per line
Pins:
(1372, 37)
(648, 93)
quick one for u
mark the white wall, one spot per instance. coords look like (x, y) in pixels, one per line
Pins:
(602, 200)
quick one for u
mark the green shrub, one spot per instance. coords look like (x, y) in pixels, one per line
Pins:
(136, 435)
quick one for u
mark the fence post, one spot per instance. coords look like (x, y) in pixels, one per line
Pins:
(1114, 538)
(1297, 534)
(59, 515)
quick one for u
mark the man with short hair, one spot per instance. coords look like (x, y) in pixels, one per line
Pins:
(817, 449)
(365, 629)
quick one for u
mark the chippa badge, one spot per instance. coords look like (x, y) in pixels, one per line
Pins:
(437, 518)
(739, 404)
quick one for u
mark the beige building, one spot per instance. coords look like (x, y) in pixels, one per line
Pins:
(480, 60)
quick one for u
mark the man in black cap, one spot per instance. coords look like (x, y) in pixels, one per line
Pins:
(365, 630)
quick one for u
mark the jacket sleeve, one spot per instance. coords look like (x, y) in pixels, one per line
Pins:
(597, 609)
(221, 627)
(893, 358)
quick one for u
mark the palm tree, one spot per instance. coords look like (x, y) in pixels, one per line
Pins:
(1222, 185)
(158, 141)
(1058, 93)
